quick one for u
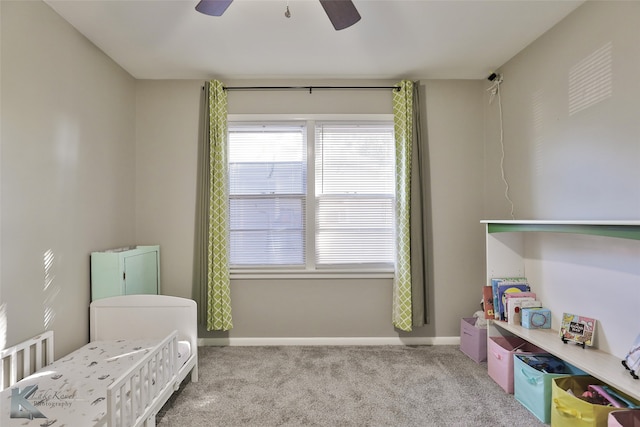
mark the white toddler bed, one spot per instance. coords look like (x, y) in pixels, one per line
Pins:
(142, 347)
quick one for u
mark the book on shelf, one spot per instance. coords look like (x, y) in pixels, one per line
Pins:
(515, 302)
(487, 302)
(578, 329)
(495, 282)
(505, 288)
(517, 317)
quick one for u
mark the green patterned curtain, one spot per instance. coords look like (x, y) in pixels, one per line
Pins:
(218, 287)
(410, 286)
(403, 128)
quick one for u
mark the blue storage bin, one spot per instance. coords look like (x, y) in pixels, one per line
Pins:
(532, 385)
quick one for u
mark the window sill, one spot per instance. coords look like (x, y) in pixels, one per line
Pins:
(310, 274)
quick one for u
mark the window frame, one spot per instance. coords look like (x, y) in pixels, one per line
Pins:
(310, 270)
(285, 125)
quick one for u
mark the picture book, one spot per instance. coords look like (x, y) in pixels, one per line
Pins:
(508, 288)
(519, 306)
(517, 300)
(608, 399)
(487, 302)
(578, 329)
(494, 289)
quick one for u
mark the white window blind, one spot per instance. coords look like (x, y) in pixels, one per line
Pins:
(267, 194)
(346, 187)
(354, 191)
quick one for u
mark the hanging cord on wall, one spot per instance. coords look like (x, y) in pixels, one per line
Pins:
(494, 90)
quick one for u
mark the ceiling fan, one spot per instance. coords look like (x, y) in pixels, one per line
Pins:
(341, 13)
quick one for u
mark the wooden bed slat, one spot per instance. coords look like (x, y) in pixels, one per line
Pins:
(160, 364)
(19, 359)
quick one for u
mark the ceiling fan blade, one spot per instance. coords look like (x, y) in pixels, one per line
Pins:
(341, 13)
(213, 7)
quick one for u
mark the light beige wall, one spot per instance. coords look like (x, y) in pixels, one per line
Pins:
(167, 120)
(562, 161)
(3, 312)
(317, 102)
(571, 105)
(456, 158)
(67, 171)
(82, 168)
(167, 129)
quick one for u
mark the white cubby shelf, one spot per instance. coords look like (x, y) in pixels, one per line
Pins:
(506, 256)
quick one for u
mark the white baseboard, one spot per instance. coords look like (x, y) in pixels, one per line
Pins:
(302, 341)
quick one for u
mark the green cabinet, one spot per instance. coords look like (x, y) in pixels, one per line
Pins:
(126, 271)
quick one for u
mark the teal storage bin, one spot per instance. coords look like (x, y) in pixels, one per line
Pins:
(532, 379)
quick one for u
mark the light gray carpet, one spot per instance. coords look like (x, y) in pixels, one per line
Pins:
(342, 386)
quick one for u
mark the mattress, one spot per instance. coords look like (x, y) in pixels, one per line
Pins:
(72, 391)
(184, 352)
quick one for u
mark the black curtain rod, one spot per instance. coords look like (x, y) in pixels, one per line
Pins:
(309, 88)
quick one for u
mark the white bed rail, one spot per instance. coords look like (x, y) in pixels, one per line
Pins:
(147, 316)
(132, 398)
(23, 359)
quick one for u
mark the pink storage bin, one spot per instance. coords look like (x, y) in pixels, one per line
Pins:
(500, 352)
(624, 418)
(473, 341)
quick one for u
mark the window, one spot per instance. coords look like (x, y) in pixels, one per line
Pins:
(311, 195)
(267, 194)
(355, 172)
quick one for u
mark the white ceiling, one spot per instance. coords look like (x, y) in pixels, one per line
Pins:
(454, 39)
